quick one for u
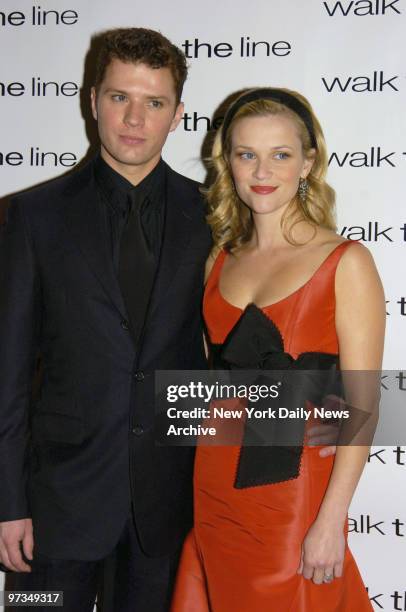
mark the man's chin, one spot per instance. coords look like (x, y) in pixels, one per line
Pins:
(130, 160)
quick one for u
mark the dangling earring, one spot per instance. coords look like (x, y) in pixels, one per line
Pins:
(303, 189)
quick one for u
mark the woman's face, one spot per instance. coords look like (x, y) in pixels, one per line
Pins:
(267, 161)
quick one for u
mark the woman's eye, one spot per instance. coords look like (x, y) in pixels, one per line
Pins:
(281, 155)
(247, 155)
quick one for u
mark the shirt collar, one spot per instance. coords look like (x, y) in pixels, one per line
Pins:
(116, 188)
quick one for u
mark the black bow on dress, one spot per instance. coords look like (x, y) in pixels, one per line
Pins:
(255, 343)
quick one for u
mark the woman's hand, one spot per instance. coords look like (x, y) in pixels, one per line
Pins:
(322, 553)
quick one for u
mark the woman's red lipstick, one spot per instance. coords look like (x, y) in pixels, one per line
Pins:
(263, 189)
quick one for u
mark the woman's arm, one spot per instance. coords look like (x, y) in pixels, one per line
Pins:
(360, 324)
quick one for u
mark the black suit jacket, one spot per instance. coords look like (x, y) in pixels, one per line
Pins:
(76, 459)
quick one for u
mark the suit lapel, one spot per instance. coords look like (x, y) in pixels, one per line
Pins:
(178, 226)
(85, 220)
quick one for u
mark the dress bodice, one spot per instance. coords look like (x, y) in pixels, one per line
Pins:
(305, 318)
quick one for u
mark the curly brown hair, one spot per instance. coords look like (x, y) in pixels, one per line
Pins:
(140, 45)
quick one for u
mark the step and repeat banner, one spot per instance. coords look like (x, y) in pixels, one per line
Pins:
(346, 56)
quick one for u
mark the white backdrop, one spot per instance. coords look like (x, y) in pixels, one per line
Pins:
(346, 56)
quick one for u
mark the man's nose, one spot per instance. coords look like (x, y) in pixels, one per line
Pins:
(135, 114)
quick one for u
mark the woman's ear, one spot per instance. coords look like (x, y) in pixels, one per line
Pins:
(308, 163)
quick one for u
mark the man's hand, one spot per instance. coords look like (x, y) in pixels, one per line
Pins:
(323, 435)
(326, 434)
(327, 451)
(13, 534)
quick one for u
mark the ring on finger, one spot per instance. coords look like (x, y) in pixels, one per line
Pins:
(328, 578)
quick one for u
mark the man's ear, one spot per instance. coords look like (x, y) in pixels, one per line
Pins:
(93, 102)
(177, 116)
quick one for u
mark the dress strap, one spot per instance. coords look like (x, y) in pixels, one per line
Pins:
(329, 265)
(216, 269)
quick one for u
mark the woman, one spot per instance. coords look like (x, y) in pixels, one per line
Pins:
(275, 539)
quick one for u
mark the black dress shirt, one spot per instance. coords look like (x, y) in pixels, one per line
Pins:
(149, 194)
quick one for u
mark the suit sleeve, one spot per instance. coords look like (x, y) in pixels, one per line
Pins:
(19, 332)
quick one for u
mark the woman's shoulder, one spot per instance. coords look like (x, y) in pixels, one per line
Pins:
(356, 270)
(327, 239)
(353, 251)
(352, 259)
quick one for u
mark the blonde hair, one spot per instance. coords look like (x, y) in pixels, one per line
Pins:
(230, 219)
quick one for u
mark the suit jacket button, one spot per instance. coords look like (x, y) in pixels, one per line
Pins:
(139, 375)
(138, 430)
(124, 325)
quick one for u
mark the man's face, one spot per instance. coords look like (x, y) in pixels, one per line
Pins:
(135, 108)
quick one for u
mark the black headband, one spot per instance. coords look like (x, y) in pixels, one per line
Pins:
(267, 93)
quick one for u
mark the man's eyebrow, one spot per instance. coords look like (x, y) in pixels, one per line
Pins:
(148, 97)
(158, 97)
(116, 90)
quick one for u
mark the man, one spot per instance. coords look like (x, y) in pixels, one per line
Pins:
(102, 272)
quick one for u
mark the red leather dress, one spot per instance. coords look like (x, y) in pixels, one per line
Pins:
(244, 550)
